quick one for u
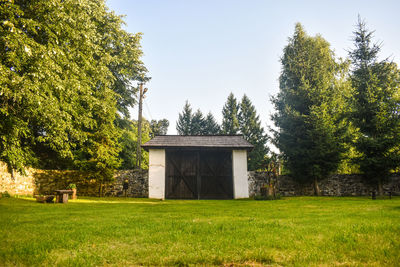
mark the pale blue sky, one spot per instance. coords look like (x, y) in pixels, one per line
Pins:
(201, 50)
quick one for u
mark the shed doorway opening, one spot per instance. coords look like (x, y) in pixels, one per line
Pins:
(198, 174)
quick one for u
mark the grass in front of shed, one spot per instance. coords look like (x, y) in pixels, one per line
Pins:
(115, 231)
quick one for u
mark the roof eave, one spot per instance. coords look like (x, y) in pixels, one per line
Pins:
(148, 147)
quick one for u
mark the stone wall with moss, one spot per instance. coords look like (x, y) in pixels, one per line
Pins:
(17, 185)
(46, 181)
(334, 185)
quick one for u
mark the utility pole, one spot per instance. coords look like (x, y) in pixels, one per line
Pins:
(139, 143)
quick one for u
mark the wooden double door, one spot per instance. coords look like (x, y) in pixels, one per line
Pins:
(198, 174)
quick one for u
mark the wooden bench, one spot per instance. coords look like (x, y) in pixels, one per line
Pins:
(62, 195)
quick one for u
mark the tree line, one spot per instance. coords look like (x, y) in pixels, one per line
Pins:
(331, 111)
(238, 118)
(331, 114)
(69, 75)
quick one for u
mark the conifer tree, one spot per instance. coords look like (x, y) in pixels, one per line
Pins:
(211, 126)
(184, 123)
(309, 108)
(197, 124)
(230, 123)
(250, 128)
(375, 108)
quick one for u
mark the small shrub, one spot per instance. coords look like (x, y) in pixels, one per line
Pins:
(5, 194)
(71, 186)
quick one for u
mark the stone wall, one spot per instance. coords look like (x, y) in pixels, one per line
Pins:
(138, 184)
(17, 185)
(46, 181)
(334, 185)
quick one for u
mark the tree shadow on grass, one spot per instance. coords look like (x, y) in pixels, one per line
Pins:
(94, 200)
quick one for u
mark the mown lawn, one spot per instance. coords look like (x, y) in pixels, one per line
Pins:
(115, 231)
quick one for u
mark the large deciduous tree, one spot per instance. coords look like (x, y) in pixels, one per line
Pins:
(230, 123)
(66, 68)
(375, 108)
(250, 128)
(309, 108)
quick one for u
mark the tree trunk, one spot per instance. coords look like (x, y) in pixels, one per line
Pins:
(316, 188)
(380, 187)
(101, 190)
(11, 171)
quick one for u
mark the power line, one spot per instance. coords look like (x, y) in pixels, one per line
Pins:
(148, 109)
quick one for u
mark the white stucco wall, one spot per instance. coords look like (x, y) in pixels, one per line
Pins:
(240, 181)
(157, 173)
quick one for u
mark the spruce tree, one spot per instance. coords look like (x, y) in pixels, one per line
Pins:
(184, 123)
(375, 108)
(250, 128)
(230, 123)
(309, 108)
(197, 124)
(211, 126)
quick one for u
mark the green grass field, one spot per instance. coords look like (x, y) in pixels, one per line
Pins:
(115, 232)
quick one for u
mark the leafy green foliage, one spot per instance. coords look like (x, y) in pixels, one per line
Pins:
(375, 108)
(159, 127)
(71, 186)
(66, 68)
(230, 122)
(128, 142)
(310, 108)
(250, 128)
(5, 194)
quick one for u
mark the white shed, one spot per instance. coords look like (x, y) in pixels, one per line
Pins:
(198, 167)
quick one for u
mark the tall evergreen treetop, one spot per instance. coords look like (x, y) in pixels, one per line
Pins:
(184, 123)
(250, 127)
(198, 123)
(230, 123)
(375, 108)
(365, 51)
(309, 108)
(211, 125)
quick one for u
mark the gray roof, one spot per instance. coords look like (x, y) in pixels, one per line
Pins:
(198, 141)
